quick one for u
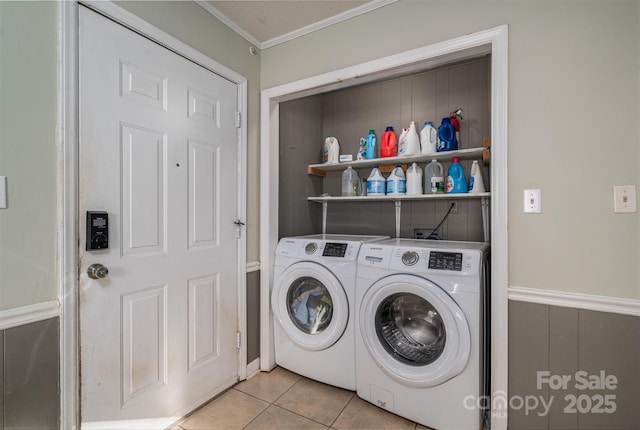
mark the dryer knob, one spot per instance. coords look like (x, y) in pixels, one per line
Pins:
(410, 258)
(310, 248)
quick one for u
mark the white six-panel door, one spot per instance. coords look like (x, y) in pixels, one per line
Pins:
(158, 153)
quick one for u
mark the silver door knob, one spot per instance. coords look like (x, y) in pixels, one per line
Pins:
(97, 271)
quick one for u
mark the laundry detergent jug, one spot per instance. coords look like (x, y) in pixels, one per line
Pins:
(372, 146)
(456, 180)
(476, 183)
(396, 182)
(414, 180)
(428, 139)
(447, 136)
(376, 184)
(351, 184)
(434, 178)
(331, 150)
(389, 146)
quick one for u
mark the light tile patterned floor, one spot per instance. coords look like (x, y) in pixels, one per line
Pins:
(282, 400)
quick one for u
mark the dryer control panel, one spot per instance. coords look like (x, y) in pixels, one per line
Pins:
(445, 260)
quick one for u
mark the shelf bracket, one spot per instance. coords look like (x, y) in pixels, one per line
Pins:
(485, 218)
(398, 215)
(324, 217)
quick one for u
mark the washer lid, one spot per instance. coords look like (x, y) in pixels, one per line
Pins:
(311, 305)
(414, 331)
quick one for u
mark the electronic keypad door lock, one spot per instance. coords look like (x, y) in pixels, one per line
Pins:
(97, 271)
(97, 236)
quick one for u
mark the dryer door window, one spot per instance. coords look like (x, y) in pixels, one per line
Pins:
(411, 329)
(309, 304)
(414, 331)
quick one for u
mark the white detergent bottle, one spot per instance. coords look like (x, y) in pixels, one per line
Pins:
(476, 183)
(376, 184)
(331, 150)
(396, 182)
(402, 142)
(413, 141)
(429, 139)
(414, 180)
(434, 178)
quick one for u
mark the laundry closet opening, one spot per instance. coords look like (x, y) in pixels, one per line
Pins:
(348, 114)
(469, 73)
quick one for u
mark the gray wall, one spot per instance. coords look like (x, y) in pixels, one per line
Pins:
(573, 115)
(348, 115)
(562, 342)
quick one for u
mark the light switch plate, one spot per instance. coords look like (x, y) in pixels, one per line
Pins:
(3, 192)
(624, 199)
(532, 201)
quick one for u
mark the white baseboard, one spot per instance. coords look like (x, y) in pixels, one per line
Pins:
(590, 302)
(253, 368)
(29, 314)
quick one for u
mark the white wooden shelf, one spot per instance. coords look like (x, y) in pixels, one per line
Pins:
(463, 154)
(450, 196)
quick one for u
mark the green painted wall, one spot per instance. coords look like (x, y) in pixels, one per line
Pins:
(574, 91)
(28, 152)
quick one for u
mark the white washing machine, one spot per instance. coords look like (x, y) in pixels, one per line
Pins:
(312, 299)
(420, 330)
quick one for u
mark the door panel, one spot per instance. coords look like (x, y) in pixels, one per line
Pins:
(158, 153)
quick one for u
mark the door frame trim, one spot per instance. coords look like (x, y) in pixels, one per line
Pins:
(496, 40)
(68, 181)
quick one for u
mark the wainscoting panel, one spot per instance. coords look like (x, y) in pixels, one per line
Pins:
(572, 368)
(30, 385)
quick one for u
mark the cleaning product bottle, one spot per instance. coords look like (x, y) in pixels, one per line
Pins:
(428, 138)
(389, 146)
(412, 138)
(402, 141)
(434, 178)
(456, 117)
(371, 145)
(476, 184)
(414, 180)
(396, 182)
(447, 136)
(351, 185)
(456, 180)
(331, 150)
(376, 184)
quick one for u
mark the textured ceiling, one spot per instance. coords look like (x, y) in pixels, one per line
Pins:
(264, 21)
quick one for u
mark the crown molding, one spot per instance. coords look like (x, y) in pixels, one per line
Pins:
(373, 5)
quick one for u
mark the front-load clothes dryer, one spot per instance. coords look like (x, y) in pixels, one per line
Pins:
(420, 330)
(312, 300)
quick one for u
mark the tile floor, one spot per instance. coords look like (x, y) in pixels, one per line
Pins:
(282, 400)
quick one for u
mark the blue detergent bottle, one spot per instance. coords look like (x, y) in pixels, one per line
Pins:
(457, 181)
(447, 136)
(371, 145)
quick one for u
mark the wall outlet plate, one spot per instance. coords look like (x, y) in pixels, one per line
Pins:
(532, 201)
(624, 199)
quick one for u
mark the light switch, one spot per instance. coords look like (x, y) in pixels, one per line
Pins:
(624, 199)
(532, 202)
(3, 192)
